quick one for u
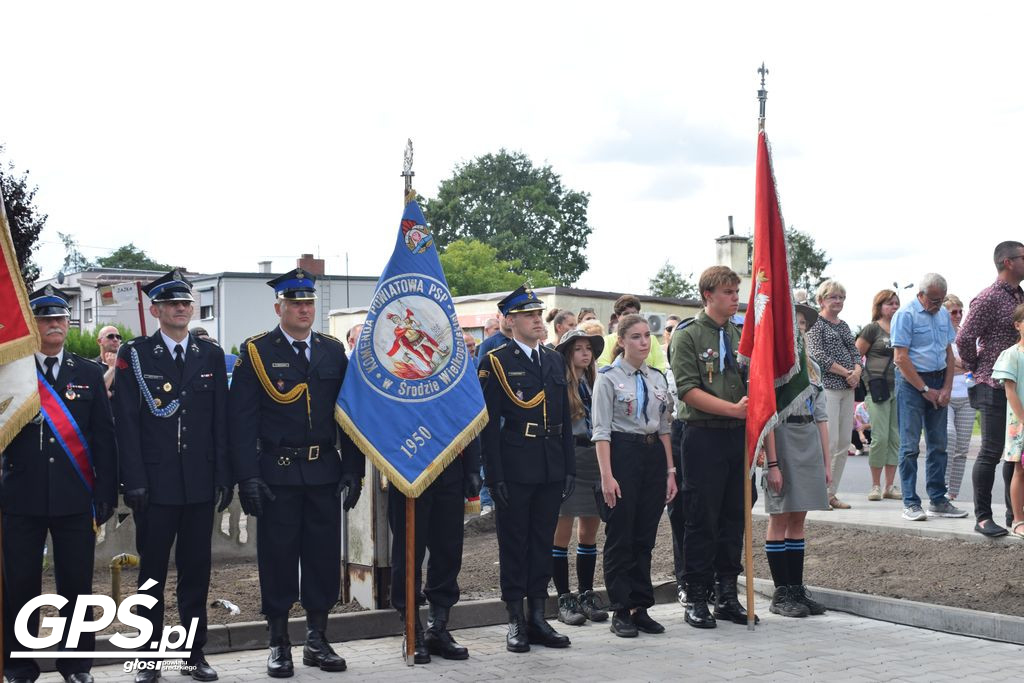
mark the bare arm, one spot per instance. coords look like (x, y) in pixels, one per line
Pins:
(670, 489)
(709, 403)
(901, 358)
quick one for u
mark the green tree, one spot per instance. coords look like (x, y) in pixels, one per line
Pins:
(74, 260)
(669, 282)
(524, 212)
(472, 267)
(130, 257)
(84, 343)
(24, 218)
(807, 264)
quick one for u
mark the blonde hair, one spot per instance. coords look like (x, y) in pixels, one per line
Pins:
(952, 300)
(592, 327)
(827, 289)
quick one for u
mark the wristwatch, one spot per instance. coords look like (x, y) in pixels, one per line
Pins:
(924, 389)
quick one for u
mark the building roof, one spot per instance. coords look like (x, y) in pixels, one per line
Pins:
(266, 276)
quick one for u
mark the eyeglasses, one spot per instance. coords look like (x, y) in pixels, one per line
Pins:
(669, 328)
(113, 336)
(956, 312)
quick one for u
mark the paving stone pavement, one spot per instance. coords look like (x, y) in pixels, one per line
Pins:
(833, 647)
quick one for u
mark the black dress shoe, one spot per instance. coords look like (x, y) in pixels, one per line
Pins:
(317, 651)
(697, 613)
(199, 669)
(19, 680)
(728, 606)
(80, 677)
(147, 676)
(279, 662)
(622, 625)
(437, 638)
(990, 529)
(643, 622)
(539, 631)
(420, 653)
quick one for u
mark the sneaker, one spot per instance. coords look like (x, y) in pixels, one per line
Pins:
(784, 605)
(876, 493)
(592, 607)
(945, 509)
(838, 504)
(914, 513)
(569, 610)
(893, 493)
(800, 594)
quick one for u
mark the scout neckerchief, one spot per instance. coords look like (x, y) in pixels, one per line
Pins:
(586, 399)
(280, 397)
(69, 435)
(641, 392)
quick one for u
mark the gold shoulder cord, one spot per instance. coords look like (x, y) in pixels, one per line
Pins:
(284, 398)
(538, 399)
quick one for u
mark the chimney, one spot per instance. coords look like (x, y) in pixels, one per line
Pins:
(314, 266)
(264, 266)
(732, 251)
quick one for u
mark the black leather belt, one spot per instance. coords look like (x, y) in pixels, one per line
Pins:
(799, 419)
(532, 430)
(647, 439)
(715, 424)
(583, 441)
(286, 454)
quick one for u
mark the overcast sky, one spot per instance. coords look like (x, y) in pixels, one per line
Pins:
(214, 135)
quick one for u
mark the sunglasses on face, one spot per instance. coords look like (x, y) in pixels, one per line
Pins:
(956, 312)
(669, 328)
(113, 336)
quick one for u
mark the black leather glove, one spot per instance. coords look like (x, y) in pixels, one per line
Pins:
(251, 493)
(225, 494)
(568, 487)
(104, 511)
(499, 492)
(352, 486)
(136, 499)
(472, 485)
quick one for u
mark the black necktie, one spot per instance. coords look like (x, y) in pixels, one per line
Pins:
(51, 376)
(179, 358)
(300, 348)
(535, 357)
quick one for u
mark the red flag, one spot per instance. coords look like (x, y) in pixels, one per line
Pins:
(768, 342)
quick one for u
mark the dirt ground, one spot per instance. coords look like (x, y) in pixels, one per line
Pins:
(946, 572)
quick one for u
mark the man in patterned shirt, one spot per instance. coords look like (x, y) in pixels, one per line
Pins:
(986, 332)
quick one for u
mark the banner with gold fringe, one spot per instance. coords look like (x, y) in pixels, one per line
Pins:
(19, 338)
(411, 400)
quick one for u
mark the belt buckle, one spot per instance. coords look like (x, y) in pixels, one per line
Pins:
(284, 461)
(651, 439)
(313, 453)
(527, 433)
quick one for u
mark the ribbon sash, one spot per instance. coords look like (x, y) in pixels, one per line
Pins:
(68, 434)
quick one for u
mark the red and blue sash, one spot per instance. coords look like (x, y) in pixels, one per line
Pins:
(67, 432)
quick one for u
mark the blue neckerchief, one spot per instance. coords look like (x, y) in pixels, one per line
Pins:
(585, 397)
(641, 394)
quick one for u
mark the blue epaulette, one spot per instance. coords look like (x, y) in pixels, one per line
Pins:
(605, 369)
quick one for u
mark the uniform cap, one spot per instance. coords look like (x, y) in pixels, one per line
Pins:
(171, 287)
(521, 300)
(297, 285)
(49, 302)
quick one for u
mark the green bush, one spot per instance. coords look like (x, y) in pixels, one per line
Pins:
(83, 342)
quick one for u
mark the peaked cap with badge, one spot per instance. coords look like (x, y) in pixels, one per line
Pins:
(297, 285)
(49, 302)
(521, 300)
(171, 287)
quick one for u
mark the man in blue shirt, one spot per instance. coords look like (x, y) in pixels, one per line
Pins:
(921, 336)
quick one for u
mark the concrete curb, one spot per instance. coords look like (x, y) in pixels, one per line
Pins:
(920, 529)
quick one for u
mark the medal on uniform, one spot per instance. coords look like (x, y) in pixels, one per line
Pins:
(710, 368)
(519, 394)
(167, 386)
(70, 393)
(280, 385)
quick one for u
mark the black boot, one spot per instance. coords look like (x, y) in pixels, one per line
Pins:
(800, 594)
(697, 613)
(727, 604)
(784, 605)
(516, 640)
(279, 663)
(538, 629)
(439, 641)
(420, 654)
(317, 651)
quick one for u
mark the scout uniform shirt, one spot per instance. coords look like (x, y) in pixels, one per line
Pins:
(704, 357)
(631, 400)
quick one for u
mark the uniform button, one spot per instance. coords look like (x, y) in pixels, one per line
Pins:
(52, 440)
(184, 446)
(51, 459)
(183, 411)
(184, 429)
(183, 393)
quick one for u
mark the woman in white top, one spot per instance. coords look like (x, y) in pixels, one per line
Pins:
(960, 416)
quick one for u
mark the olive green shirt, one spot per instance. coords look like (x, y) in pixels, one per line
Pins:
(696, 364)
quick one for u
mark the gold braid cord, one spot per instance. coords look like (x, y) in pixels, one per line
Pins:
(268, 386)
(499, 372)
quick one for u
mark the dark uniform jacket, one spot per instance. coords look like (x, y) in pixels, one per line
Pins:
(38, 477)
(521, 401)
(260, 425)
(179, 459)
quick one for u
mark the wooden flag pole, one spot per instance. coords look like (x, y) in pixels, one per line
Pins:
(748, 541)
(142, 316)
(411, 606)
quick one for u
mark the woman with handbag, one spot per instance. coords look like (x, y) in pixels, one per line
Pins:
(960, 416)
(875, 345)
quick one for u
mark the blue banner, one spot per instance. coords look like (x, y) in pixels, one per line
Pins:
(411, 400)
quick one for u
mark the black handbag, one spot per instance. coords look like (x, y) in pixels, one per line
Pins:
(878, 387)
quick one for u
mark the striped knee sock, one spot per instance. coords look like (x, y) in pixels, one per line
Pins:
(777, 561)
(586, 560)
(795, 560)
(560, 568)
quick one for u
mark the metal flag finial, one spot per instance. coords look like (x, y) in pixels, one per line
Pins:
(762, 96)
(407, 171)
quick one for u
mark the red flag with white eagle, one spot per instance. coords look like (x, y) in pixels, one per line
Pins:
(769, 342)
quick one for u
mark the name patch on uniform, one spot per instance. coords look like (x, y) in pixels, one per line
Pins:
(515, 373)
(205, 375)
(153, 376)
(280, 365)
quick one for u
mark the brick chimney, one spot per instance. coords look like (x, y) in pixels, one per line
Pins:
(314, 266)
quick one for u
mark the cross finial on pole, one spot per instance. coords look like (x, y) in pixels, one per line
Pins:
(762, 96)
(407, 171)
